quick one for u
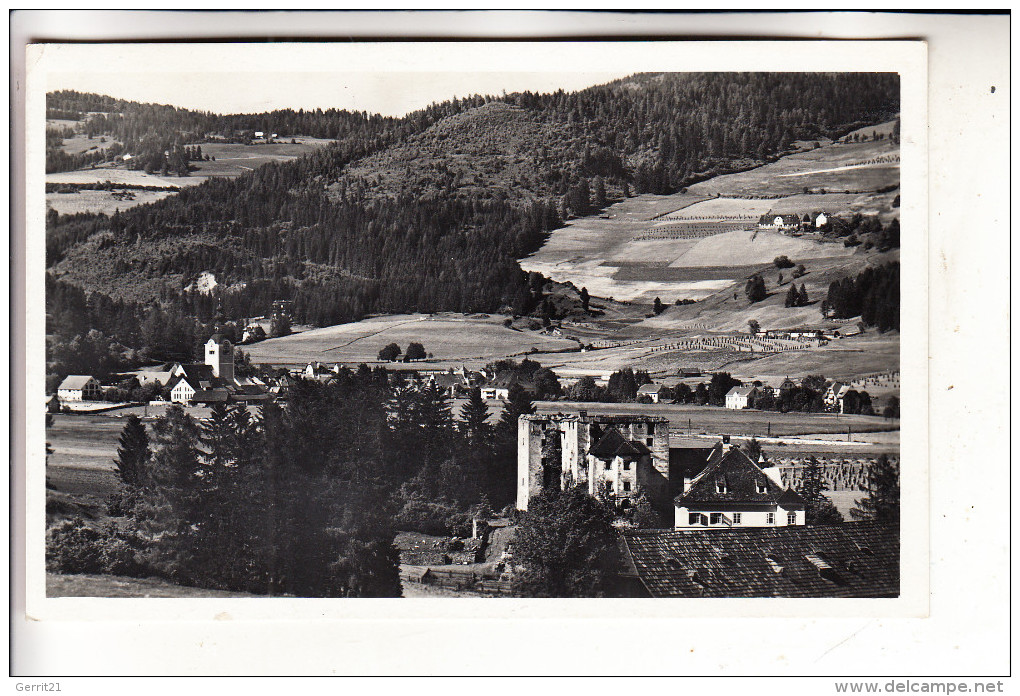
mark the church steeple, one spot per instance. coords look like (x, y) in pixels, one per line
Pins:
(219, 354)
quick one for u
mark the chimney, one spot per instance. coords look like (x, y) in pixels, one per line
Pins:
(582, 414)
(726, 446)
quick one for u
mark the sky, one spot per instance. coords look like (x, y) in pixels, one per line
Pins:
(392, 93)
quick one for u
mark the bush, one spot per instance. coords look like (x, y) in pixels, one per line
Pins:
(435, 518)
(782, 262)
(76, 547)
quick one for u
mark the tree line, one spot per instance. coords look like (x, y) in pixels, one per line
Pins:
(302, 500)
(874, 295)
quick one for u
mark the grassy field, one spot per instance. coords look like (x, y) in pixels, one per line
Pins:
(711, 420)
(117, 586)
(82, 143)
(105, 202)
(234, 159)
(121, 176)
(446, 336)
(826, 168)
(621, 253)
(743, 247)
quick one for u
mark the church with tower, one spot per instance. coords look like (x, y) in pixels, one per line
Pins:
(214, 380)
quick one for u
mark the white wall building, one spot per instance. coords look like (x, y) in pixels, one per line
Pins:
(733, 491)
(79, 388)
(738, 397)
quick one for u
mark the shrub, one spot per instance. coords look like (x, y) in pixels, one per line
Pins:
(74, 546)
(782, 262)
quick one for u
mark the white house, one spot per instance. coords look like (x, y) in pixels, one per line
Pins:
(79, 388)
(499, 388)
(835, 393)
(738, 397)
(733, 491)
(653, 391)
(182, 391)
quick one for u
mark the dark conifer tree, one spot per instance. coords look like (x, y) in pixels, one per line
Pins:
(882, 502)
(133, 453)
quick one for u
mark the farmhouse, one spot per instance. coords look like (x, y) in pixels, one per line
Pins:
(854, 559)
(785, 221)
(777, 387)
(738, 397)
(733, 491)
(499, 388)
(79, 388)
(834, 394)
(653, 392)
(182, 390)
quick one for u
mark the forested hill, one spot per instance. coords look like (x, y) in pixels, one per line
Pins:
(646, 134)
(430, 211)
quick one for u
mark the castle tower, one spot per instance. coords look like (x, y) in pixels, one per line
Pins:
(219, 354)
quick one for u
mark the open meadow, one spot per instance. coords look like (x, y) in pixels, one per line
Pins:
(686, 419)
(445, 336)
(630, 251)
(98, 201)
(120, 175)
(234, 159)
(837, 167)
(231, 160)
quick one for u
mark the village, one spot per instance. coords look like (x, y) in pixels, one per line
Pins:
(691, 484)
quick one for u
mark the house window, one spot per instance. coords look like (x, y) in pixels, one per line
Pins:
(626, 485)
(693, 519)
(651, 430)
(791, 518)
(626, 466)
(770, 518)
(720, 486)
(715, 518)
(763, 487)
(648, 441)
(736, 518)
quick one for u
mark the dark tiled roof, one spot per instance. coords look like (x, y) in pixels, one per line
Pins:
(506, 380)
(197, 372)
(742, 478)
(613, 444)
(855, 559)
(686, 462)
(210, 395)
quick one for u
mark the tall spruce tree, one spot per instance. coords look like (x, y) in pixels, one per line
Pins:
(133, 453)
(474, 417)
(882, 502)
(818, 508)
